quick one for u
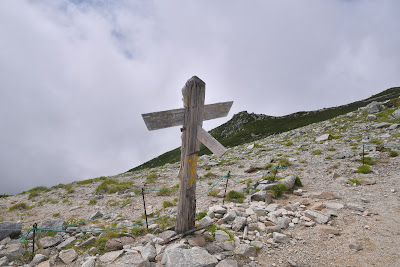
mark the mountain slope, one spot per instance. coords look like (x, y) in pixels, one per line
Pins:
(245, 127)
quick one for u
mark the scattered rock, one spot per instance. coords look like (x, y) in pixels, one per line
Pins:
(50, 241)
(374, 107)
(326, 229)
(227, 263)
(316, 216)
(356, 245)
(149, 252)
(89, 262)
(11, 232)
(221, 236)
(323, 137)
(317, 206)
(288, 181)
(371, 117)
(111, 256)
(113, 244)
(66, 242)
(88, 241)
(239, 223)
(261, 196)
(57, 224)
(94, 215)
(279, 238)
(197, 241)
(179, 257)
(3, 261)
(246, 250)
(12, 251)
(37, 259)
(354, 206)
(68, 256)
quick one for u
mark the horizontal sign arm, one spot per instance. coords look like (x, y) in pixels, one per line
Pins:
(175, 117)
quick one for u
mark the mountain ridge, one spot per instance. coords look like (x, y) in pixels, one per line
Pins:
(246, 127)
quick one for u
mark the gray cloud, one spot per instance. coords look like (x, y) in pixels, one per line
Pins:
(76, 75)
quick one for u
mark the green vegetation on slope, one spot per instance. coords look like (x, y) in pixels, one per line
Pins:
(245, 127)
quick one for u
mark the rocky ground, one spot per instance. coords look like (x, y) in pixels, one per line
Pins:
(339, 217)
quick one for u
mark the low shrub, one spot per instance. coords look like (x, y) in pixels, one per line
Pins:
(393, 153)
(369, 161)
(213, 192)
(111, 186)
(234, 196)
(363, 169)
(201, 215)
(317, 152)
(354, 181)
(151, 178)
(92, 202)
(298, 182)
(278, 190)
(83, 182)
(20, 206)
(165, 191)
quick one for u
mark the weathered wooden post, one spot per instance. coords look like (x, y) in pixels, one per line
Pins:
(191, 117)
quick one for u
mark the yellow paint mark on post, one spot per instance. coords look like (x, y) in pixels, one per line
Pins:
(192, 169)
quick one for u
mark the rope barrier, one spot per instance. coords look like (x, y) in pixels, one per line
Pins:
(215, 183)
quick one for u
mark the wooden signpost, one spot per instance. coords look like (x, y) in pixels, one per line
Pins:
(191, 117)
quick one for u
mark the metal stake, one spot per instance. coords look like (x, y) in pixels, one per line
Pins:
(226, 186)
(34, 233)
(144, 205)
(363, 155)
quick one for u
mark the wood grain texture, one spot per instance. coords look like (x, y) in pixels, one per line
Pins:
(217, 110)
(193, 101)
(175, 117)
(164, 119)
(210, 142)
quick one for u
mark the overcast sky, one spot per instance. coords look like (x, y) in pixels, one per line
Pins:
(75, 76)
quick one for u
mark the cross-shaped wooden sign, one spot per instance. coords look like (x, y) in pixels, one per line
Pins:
(191, 117)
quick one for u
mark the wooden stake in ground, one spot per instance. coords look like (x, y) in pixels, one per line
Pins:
(191, 117)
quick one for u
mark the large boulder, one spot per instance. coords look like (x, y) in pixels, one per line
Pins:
(12, 251)
(12, 229)
(179, 257)
(396, 114)
(57, 224)
(288, 181)
(374, 107)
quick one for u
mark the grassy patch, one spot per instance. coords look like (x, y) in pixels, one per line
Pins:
(34, 192)
(151, 178)
(317, 152)
(168, 203)
(83, 182)
(363, 169)
(234, 196)
(165, 191)
(56, 214)
(20, 206)
(92, 202)
(284, 163)
(210, 175)
(354, 181)
(369, 161)
(201, 215)
(4, 196)
(298, 182)
(331, 149)
(111, 186)
(393, 153)
(213, 192)
(289, 143)
(278, 190)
